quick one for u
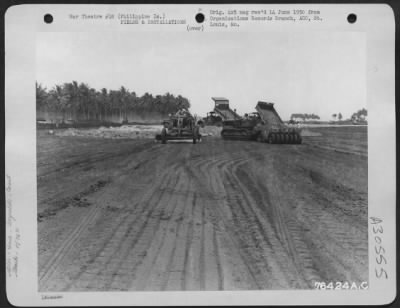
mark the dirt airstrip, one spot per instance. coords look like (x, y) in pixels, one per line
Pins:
(127, 214)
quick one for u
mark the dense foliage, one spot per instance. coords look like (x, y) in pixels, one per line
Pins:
(360, 115)
(78, 101)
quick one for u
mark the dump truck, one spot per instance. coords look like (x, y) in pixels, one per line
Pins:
(180, 127)
(222, 112)
(273, 129)
(265, 125)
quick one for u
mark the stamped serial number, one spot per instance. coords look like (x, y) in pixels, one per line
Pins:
(339, 285)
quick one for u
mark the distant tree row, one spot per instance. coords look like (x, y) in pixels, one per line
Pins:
(338, 116)
(304, 116)
(360, 115)
(81, 102)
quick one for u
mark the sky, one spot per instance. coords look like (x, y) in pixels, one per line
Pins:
(315, 72)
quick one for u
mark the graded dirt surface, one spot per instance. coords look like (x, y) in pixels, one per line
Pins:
(126, 215)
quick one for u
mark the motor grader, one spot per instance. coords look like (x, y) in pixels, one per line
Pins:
(181, 127)
(265, 125)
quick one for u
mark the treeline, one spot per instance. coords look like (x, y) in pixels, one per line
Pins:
(304, 116)
(338, 116)
(357, 117)
(360, 115)
(79, 102)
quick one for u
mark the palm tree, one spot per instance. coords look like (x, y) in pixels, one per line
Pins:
(61, 100)
(105, 103)
(84, 100)
(81, 102)
(41, 96)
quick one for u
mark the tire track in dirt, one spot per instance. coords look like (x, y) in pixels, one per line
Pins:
(175, 272)
(217, 244)
(67, 245)
(121, 229)
(341, 229)
(317, 259)
(245, 194)
(204, 222)
(224, 213)
(205, 166)
(294, 236)
(241, 265)
(56, 259)
(188, 244)
(259, 246)
(155, 267)
(127, 235)
(284, 246)
(101, 157)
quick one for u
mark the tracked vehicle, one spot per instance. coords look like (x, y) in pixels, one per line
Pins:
(243, 128)
(180, 127)
(265, 125)
(213, 118)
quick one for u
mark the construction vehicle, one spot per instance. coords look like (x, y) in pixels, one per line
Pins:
(265, 125)
(243, 128)
(180, 127)
(213, 118)
(222, 112)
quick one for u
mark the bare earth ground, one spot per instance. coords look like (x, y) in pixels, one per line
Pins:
(119, 215)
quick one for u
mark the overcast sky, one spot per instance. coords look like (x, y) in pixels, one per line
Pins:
(315, 72)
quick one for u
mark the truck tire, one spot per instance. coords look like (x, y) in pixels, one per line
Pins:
(299, 140)
(271, 139)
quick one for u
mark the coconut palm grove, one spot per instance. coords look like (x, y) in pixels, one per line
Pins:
(73, 101)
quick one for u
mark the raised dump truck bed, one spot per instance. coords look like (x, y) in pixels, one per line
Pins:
(274, 130)
(268, 113)
(222, 108)
(265, 125)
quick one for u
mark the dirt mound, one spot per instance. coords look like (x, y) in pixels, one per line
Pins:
(127, 132)
(124, 132)
(213, 131)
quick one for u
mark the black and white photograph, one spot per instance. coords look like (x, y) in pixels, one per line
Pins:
(258, 179)
(203, 159)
